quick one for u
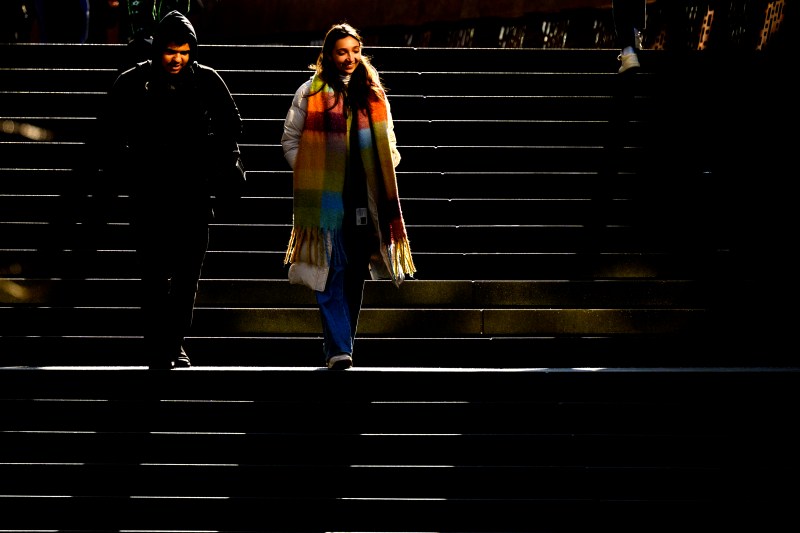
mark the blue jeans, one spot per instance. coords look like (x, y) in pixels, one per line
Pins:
(340, 302)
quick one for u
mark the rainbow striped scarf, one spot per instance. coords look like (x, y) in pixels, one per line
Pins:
(319, 173)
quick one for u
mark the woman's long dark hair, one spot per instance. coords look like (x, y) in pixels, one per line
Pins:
(364, 78)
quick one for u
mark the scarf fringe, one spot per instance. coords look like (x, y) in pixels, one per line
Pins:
(401, 257)
(307, 245)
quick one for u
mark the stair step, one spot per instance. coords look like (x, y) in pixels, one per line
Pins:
(694, 444)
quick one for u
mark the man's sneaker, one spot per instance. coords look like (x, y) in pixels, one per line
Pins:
(628, 61)
(342, 361)
(163, 363)
(183, 360)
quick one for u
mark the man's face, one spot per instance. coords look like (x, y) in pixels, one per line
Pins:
(174, 57)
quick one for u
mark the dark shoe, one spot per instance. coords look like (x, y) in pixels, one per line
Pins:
(183, 360)
(341, 361)
(162, 364)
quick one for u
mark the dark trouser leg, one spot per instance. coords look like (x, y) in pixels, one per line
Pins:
(628, 17)
(151, 251)
(190, 251)
(171, 257)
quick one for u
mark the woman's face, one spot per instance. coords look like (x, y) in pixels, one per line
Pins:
(346, 55)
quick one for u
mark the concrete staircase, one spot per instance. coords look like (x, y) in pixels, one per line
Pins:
(592, 341)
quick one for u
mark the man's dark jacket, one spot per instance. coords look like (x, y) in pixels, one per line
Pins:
(168, 138)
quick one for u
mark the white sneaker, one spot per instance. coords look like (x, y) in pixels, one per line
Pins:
(628, 61)
(342, 361)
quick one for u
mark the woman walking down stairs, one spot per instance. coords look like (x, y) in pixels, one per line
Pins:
(586, 343)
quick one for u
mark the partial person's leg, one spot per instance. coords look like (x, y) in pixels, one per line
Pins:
(190, 246)
(151, 254)
(335, 312)
(629, 20)
(361, 242)
(82, 29)
(626, 22)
